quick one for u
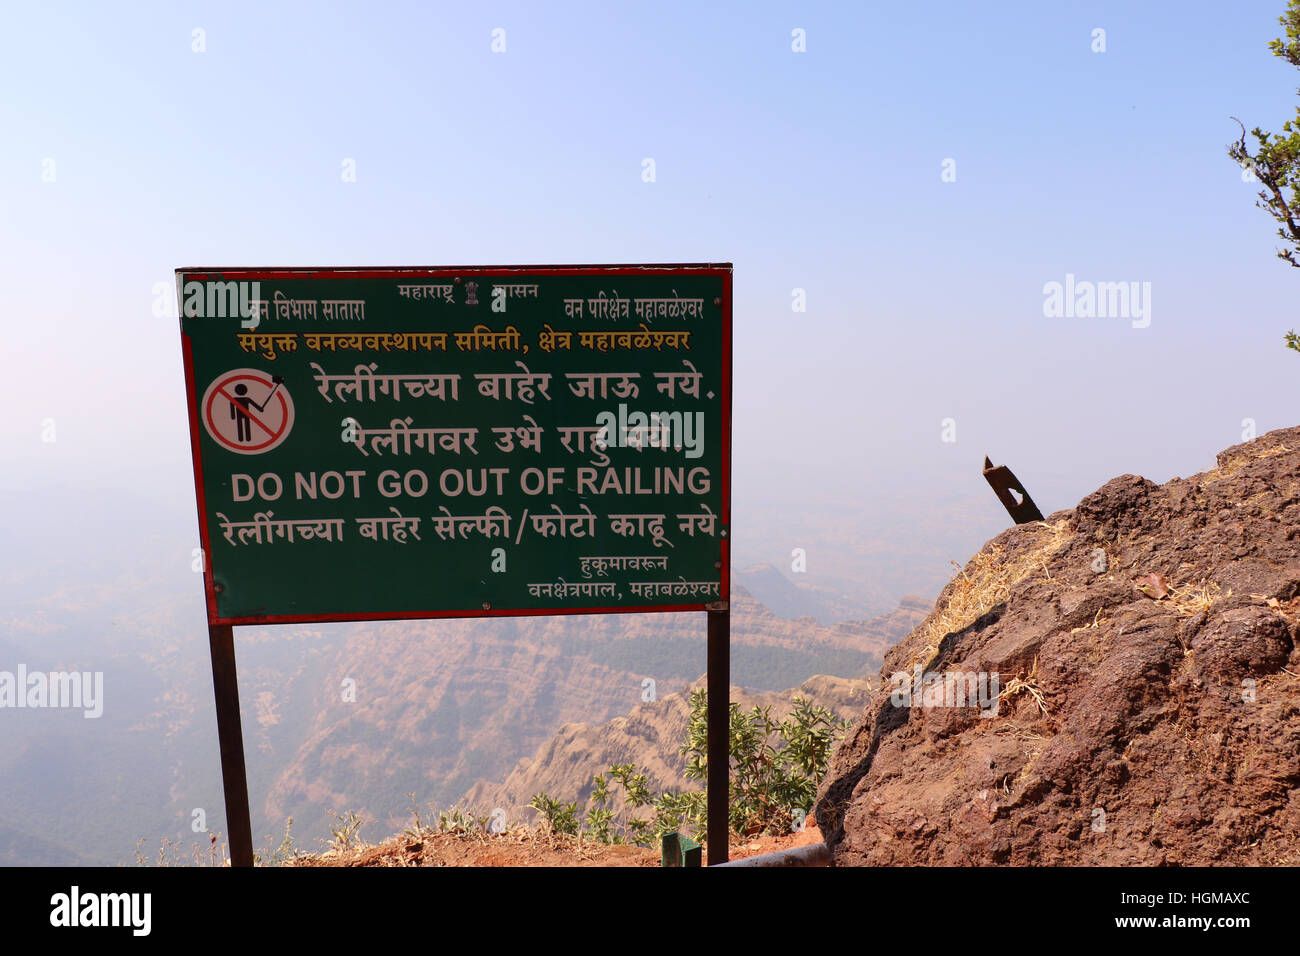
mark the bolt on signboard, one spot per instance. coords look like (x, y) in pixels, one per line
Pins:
(459, 441)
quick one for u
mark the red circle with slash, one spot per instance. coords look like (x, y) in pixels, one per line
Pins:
(249, 422)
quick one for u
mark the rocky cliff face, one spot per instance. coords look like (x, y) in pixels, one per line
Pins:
(1148, 696)
(441, 705)
(651, 736)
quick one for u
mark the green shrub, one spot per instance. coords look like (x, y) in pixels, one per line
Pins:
(776, 767)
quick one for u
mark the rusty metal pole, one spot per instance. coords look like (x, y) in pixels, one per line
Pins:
(719, 729)
(1007, 487)
(230, 736)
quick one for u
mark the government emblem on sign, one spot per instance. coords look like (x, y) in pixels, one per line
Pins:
(247, 411)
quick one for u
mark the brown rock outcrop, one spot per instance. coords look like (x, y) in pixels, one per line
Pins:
(1148, 697)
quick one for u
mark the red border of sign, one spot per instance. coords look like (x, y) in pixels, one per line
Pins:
(720, 269)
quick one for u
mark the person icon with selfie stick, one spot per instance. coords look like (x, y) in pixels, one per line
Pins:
(239, 408)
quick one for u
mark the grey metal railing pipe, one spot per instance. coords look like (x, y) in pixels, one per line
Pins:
(815, 854)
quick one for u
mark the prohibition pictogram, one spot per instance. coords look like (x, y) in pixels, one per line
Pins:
(247, 411)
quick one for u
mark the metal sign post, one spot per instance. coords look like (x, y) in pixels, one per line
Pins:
(467, 441)
(719, 732)
(230, 736)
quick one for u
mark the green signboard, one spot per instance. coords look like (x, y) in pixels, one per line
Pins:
(459, 441)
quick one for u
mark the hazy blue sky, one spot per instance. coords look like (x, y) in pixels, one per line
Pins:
(818, 170)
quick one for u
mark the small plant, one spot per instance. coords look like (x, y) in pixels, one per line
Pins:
(461, 822)
(175, 853)
(600, 818)
(282, 854)
(1027, 685)
(561, 818)
(417, 829)
(345, 831)
(675, 812)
